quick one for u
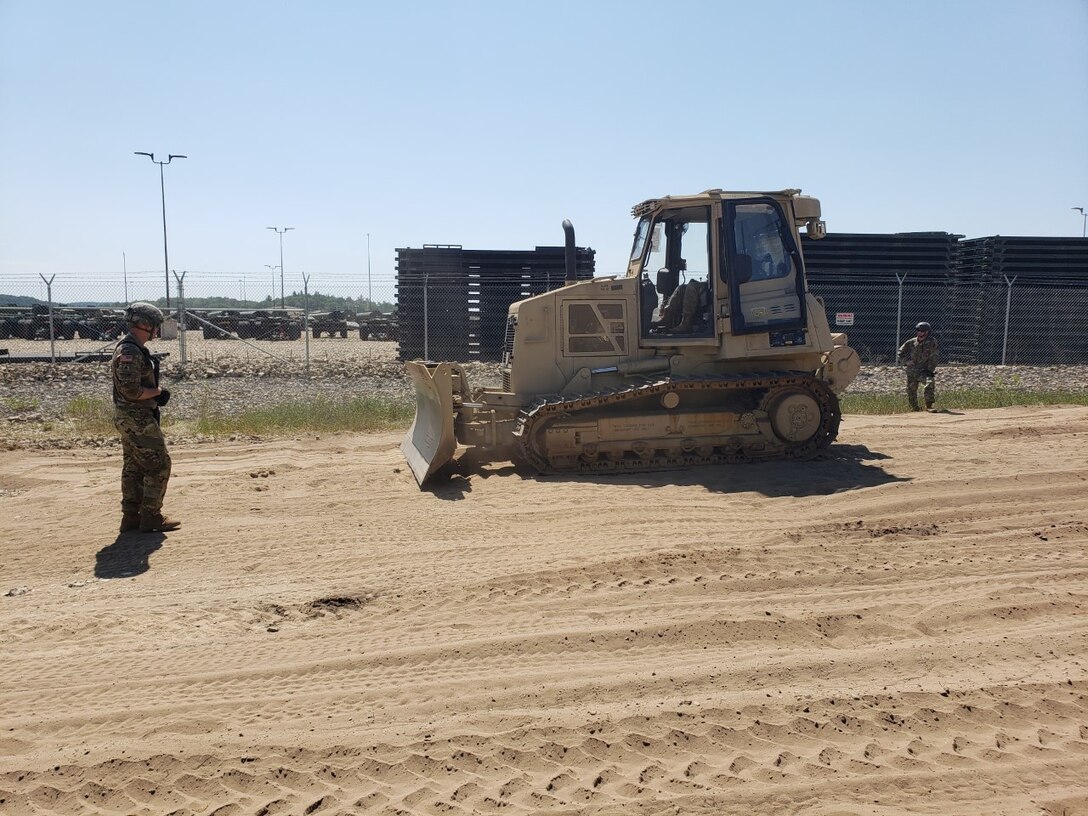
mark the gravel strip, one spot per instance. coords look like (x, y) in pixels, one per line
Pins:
(36, 393)
(40, 391)
(229, 377)
(891, 379)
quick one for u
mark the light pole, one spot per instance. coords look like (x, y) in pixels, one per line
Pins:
(1084, 226)
(280, 231)
(272, 297)
(162, 189)
(369, 289)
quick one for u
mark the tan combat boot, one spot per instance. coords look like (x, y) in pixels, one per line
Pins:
(130, 522)
(157, 524)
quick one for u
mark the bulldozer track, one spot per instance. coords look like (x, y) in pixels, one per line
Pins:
(535, 418)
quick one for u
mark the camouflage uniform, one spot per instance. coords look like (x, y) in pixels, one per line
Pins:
(146, 468)
(920, 359)
(682, 307)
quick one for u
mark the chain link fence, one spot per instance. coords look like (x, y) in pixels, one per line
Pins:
(457, 311)
(209, 317)
(984, 324)
(991, 301)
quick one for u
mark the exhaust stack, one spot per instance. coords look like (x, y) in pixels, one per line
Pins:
(571, 254)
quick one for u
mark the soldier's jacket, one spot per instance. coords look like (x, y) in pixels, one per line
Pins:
(134, 369)
(919, 357)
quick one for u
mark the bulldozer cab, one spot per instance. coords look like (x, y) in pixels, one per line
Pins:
(727, 266)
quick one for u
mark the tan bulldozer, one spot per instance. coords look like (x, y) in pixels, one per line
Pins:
(709, 350)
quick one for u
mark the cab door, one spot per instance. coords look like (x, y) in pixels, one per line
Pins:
(761, 266)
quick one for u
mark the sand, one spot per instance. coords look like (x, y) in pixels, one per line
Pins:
(896, 627)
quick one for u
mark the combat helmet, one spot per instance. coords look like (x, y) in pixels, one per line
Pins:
(143, 313)
(923, 326)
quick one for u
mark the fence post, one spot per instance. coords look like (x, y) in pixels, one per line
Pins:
(52, 333)
(181, 322)
(426, 352)
(306, 318)
(1008, 306)
(898, 315)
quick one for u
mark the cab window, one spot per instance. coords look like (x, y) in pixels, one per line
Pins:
(676, 293)
(642, 230)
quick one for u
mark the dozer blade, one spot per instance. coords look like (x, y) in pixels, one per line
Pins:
(430, 442)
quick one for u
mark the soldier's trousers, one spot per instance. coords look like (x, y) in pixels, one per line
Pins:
(146, 467)
(929, 393)
(682, 306)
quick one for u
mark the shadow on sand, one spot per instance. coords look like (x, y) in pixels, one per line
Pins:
(453, 482)
(837, 469)
(127, 556)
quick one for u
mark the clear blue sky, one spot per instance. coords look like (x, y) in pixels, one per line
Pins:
(487, 123)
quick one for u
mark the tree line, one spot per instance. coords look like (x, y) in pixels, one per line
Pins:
(316, 302)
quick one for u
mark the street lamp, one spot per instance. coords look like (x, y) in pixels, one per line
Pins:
(1084, 226)
(369, 289)
(280, 231)
(162, 189)
(272, 297)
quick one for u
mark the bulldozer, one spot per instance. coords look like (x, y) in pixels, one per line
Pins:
(709, 350)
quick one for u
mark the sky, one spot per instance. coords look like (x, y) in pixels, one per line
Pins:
(371, 126)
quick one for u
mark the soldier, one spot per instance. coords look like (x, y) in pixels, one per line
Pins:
(137, 398)
(919, 356)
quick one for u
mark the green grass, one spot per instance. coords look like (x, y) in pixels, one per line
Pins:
(358, 414)
(996, 397)
(90, 416)
(22, 404)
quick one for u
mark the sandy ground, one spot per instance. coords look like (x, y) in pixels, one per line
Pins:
(896, 627)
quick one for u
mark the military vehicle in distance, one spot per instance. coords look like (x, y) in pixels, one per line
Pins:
(709, 350)
(377, 325)
(33, 322)
(333, 323)
(270, 325)
(258, 324)
(222, 324)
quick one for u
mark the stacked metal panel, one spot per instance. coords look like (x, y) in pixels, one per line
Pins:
(860, 277)
(1032, 295)
(1015, 300)
(1020, 300)
(452, 302)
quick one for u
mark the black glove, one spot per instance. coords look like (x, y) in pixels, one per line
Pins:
(163, 398)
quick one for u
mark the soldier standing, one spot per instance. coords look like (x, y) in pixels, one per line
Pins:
(919, 356)
(137, 398)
